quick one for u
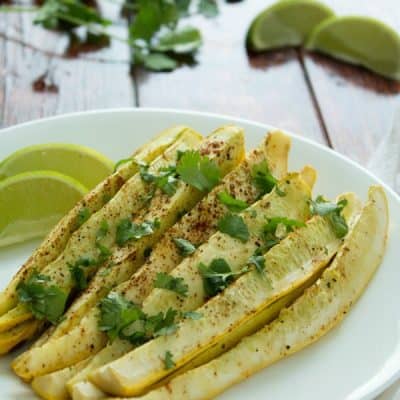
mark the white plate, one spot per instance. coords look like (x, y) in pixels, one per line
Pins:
(357, 360)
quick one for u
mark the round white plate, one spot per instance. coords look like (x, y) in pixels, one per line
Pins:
(357, 360)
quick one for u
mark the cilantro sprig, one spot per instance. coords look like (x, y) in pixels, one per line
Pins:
(128, 230)
(44, 299)
(234, 226)
(277, 228)
(218, 275)
(168, 360)
(233, 204)
(184, 246)
(78, 274)
(168, 282)
(333, 212)
(198, 171)
(166, 180)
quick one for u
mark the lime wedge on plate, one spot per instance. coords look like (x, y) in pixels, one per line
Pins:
(82, 163)
(286, 23)
(359, 40)
(31, 203)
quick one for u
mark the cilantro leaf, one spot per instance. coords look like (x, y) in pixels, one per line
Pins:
(77, 273)
(258, 261)
(217, 276)
(159, 62)
(184, 246)
(161, 324)
(233, 205)
(198, 171)
(182, 41)
(262, 178)
(44, 300)
(194, 315)
(270, 232)
(116, 313)
(208, 8)
(121, 162)
(168, 360)
(333, 212)
(105, 252)
(167, 179)
(67, 14)
(83, 216)
(103, 230)
(127, 230)
(234, 226)
(168, 282)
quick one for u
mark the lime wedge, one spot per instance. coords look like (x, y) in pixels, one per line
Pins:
(359, 40)
(31, 203)
(82, 163)
(286, 23)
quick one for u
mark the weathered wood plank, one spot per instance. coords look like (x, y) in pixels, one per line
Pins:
(357, 105)
(83, 83)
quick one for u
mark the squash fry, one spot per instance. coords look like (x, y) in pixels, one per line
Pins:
(315, 313)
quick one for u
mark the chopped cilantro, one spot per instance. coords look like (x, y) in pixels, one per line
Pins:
(103, 230)
(333, 212)
(105, 252)
(217, 276)
(168, 360)
(161, 324)
(116, 313)
(233, 205)
(234, 226)
(121, 162)
(184, 246)
(127, 230)
(270, 232)
(166, 180)
(77, 273)
(168, 282)
(258, 261)
(44, 300)
(194, 315)
(198, 171)
(262, 178)
(83, 216)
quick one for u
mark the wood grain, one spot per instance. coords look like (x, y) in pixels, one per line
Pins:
(357, 105)
(83, 83)
(267, 88)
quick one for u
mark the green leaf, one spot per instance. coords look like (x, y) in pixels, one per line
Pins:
(121, 162)
(168, 360)
(258, 261)
(68, 14)
(148, 20)
(233, 205)
(102, 231)
(333, 212)
(159, 62)
(161, 324)
(217, 276)
(78, 275)
(127, 230)
(194, 315)
(44, 300)
(182, 41)
(208, 8)
(83, 216)
(262, 178)
(183, 7)
(198, 171)
(116, 313)
(184, 246)
(234, 226)
(270, 234)
(168, 282)
(167, 179)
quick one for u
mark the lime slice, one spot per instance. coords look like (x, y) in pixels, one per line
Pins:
(31, 203)
(359, 40)
(82, 163)
(286, 23)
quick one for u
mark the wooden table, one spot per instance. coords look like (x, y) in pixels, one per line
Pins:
(342, 106)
